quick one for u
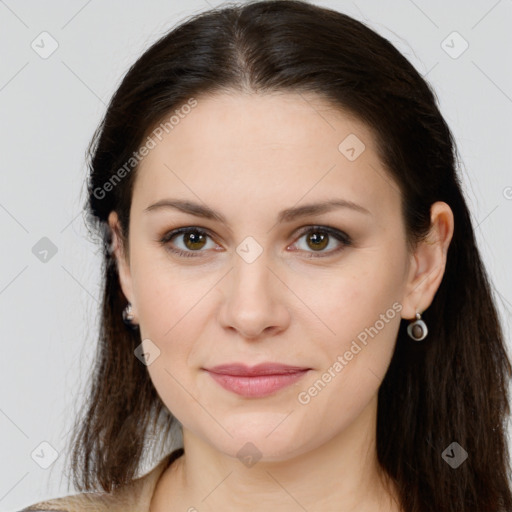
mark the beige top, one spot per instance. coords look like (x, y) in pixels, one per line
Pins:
(135, 497)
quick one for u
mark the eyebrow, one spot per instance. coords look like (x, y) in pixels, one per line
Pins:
(288, 215)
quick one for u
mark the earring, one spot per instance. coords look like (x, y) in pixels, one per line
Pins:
(128, 316)
(417, 330)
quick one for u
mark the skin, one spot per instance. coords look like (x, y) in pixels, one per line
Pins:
(249, 156)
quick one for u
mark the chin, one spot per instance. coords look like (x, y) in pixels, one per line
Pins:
(263, 436)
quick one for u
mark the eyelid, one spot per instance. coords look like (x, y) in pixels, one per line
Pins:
(340, 236)
(335, 232)
(343, 238)
(173, 233)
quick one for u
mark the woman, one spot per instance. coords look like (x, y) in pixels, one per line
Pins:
(291, 280)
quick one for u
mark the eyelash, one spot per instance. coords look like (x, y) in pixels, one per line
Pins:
(340, 236)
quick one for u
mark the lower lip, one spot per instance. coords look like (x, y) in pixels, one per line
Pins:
(256, 386)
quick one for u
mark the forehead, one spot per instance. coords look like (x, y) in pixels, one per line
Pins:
(260, 150)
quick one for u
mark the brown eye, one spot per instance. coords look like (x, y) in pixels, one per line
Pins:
(194, 240)
(188, 241)
(318, 238)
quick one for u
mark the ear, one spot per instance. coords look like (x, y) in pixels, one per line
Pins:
(123, 266)
(428, 262)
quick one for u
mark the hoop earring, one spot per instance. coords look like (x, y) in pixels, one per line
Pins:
(128, 316)
(417, 330)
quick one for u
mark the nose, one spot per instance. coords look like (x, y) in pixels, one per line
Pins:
(254, 300)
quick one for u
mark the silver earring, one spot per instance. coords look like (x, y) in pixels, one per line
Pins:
(128, 316)
(417, 330)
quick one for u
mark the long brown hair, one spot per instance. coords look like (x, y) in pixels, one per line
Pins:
(450, 388)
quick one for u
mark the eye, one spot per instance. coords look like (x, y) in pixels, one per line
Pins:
(317, 238)
(193, 240)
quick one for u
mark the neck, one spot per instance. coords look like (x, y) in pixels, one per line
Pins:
(342, 474)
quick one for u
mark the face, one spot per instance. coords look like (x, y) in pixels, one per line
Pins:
(321, 290)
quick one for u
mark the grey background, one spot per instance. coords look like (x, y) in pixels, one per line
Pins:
(49, 108)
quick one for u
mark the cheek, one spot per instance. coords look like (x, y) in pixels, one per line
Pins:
(173, 311)
(365, 319)
(353, 296)
(165, 293)
(174, 308)
(360, 308)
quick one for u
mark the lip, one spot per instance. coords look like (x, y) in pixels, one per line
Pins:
(256, 381)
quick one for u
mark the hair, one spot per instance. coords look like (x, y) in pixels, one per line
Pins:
(452, 387)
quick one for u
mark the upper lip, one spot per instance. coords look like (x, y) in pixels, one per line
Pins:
(240, 369)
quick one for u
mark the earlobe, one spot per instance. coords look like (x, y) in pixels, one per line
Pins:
(123, 267)
(429, 262)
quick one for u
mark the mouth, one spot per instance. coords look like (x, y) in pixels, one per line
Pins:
(257, 381)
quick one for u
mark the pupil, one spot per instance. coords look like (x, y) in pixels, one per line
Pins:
(319, 240)
(194, 238)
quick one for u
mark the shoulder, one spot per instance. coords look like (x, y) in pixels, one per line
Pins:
(85, 502)
(135, 497)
